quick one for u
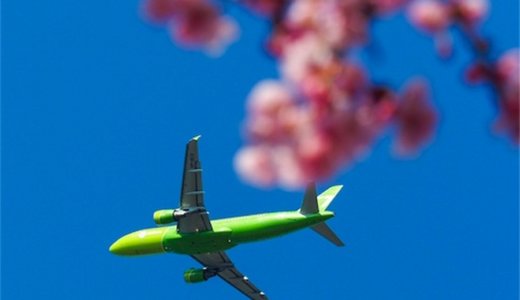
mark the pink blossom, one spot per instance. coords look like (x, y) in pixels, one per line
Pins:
(302, 54)
(415, 119)
(383, 106)
(314, 148)
(429, 15)
(316, 155)
(303, 12)
(471, 11)
(268, 97)
(509, 119)
(254, 164)
(338, 23)
(504, 77)
(226, 33)
(355, 21)
(387, 6)
(274, 115)
(193, 23)
(265, 165)
(283, 35)
(339, 26)
(508, 72)
(336, 118)
(202, 25)
(288, 166)
(265, 7)
(351, 78)
(508, 66)
(327, 84)
(316, 89)
(352, 133)
(163, 10)
(324, 112)
(364, 123)
(478, 72)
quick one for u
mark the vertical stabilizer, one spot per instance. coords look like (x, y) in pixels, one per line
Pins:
(310, 201)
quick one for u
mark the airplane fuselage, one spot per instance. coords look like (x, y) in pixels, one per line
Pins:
(226, 233)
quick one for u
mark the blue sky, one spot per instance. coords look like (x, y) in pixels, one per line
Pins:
(97, 106)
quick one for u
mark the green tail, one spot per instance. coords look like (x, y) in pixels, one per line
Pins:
(313, 204)
(325, 198)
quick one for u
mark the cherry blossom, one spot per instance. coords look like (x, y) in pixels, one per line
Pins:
(254, 163)
(265, 7)
(415, 118)
(274, 115)
(325, 112)
(508, 82)
(430, 15)
(470, 12)
(193, 23)
(434, 16)
(163, 10)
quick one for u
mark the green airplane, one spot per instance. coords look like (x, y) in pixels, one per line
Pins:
(205, 240)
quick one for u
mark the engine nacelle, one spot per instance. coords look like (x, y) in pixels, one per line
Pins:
(167, 216)
(164, 216)
(198, 275)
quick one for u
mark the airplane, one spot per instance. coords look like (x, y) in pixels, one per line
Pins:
(206, 241)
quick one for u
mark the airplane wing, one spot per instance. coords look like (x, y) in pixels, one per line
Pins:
(227, 271)
(192, 194)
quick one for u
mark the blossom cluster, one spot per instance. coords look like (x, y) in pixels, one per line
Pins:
(504, 77)
(193, 23)
(502, 74)
(435, 17)
(324, 111)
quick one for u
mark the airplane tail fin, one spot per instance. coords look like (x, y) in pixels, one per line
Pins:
(313, 204)
(325, 198)
(310, 201)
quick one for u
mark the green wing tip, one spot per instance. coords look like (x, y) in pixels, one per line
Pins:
(196, 138)
(336, 187)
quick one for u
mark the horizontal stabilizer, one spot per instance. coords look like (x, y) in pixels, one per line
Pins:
(324, 230)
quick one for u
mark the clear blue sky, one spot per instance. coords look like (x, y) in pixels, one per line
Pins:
(96, 109)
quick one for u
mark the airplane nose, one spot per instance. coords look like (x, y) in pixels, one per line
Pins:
(118, 247)
(146, 241)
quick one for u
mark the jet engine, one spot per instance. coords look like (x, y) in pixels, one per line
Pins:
(198, 275)
(164, 216)
(167, 216)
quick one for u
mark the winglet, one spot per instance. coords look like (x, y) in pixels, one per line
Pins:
(196, 138)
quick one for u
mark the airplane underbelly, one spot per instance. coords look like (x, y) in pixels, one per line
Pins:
(197, 243)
